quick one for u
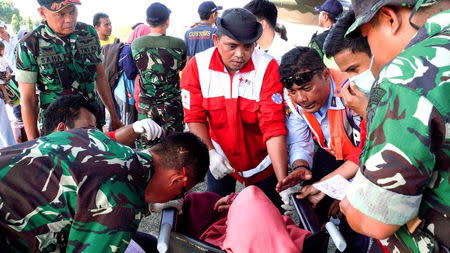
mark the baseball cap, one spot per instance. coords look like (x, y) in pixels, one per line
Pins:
(157, 13)
(365, 10)
(239, 24)
(331, 6)
(208, 7)
(2, 24)
(57, 5)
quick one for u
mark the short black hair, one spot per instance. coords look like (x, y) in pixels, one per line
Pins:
(97, 17)
(65, 109)
(2, 45)
(281, 29)
(336, 42)
(297, 59)
(263, 9)
(332, 17)
(180, 150)
(205, 15)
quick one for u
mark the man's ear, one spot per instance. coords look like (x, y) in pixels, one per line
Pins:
(42, 12)
(60, 127)
(178, 178)
(326, 74)
(390, 18)
(215, 39)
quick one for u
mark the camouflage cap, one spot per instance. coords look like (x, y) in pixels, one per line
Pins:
(365, 10)
(57, 5)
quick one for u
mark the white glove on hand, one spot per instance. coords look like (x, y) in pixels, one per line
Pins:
(158, 207)
(149, 127)
(287, 203)
(219, 165)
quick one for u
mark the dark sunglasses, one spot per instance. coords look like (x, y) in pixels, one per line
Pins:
(300, 78)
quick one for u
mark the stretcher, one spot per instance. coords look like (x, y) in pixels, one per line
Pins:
(170, 241)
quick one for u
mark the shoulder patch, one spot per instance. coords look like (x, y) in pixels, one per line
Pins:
(277, 98)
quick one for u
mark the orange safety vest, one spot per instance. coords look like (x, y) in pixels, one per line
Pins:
(340, 145)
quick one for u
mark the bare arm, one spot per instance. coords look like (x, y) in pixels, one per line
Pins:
(29, 109)
(126, 135)
(202, 131)
(277, 149)
(364, 224)
(104, 92)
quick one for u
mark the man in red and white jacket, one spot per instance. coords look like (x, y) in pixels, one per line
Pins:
(232, 100)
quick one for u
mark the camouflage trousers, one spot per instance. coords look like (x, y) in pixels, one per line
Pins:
(167, 114)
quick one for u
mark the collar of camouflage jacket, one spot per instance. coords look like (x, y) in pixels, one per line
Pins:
(438, 23)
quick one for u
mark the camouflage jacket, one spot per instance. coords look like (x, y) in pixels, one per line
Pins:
(72, 191)
(159, 59)
(59, 66)
(406, 162)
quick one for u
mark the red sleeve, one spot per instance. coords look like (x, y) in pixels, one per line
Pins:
(111, 135)
(271, 116)
(191, 94)
(354, 156)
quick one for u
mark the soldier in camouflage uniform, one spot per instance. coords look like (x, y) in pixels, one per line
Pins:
(159, 59)
(401, 193)
(89, 193)
(60, 57)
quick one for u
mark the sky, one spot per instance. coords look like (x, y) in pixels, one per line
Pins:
(129, 12)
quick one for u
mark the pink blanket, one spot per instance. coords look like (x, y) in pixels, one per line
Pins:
(253, 224)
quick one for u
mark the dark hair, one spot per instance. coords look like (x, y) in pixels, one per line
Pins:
(332, 17)
(2, 45)
(136, 25)
(97, 18)
(297, 59)
(281, 29)
(65, 109)
(205, 15)
(263, 9)
(180, 150)
(336, 42)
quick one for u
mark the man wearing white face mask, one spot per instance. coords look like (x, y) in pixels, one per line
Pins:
(354, 58)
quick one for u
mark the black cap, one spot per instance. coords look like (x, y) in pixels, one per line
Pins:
(157, 13)
(331, 6)
(57, 5)
(239, 24)
(207, 8)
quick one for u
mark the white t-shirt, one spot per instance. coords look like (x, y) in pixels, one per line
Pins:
(3, 67)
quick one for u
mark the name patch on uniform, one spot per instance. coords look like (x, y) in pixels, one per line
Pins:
(49, 59)
(186, 99)
(375, 96)
(277, 98)
(87, 45)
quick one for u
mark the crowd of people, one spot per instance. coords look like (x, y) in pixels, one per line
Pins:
(117, 130)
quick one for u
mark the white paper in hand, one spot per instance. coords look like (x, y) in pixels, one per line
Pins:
(334, 187)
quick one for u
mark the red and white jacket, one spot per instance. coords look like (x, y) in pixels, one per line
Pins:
(243, 110)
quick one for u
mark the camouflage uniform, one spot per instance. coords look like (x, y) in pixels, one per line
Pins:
(159, 59)
(72, 191)
(59, 66)
(405, 167)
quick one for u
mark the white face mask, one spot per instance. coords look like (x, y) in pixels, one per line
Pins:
(364, 80)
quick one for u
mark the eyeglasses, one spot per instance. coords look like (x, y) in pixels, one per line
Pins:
(300, 78)
(183, 189)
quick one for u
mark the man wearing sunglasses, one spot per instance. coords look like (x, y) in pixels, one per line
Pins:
(314, 110)
(232, 100)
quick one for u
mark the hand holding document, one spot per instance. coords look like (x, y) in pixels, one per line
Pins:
(334, 187)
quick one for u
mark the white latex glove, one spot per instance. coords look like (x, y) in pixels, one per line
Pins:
(219, 165)
(287, 203)
(149, 127)
(158, 207)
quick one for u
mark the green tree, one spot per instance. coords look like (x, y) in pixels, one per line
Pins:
(29, 24)
(7, 10)
(15, 22)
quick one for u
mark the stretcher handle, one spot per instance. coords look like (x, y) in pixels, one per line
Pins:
(168, 219)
